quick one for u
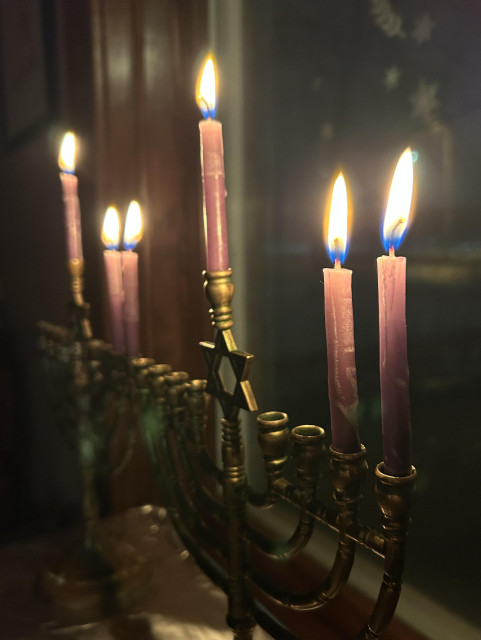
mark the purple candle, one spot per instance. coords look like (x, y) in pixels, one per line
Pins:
(341, 362)
(130, 268)
(113, 272)
(212, 163)
(66, 161)
(393, 360)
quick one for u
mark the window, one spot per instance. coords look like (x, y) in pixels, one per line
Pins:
(307, 86)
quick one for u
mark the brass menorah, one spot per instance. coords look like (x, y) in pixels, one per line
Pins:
(92, 391)
(215, 527)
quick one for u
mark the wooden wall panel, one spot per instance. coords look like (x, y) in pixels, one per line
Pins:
(145, 54)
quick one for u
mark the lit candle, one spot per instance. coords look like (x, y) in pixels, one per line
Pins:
(66, 161)
(341, 362)
(394, 371)
(212, 163)
(113, 272)
(130, 267)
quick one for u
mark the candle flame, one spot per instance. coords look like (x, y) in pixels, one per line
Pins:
(66, 157)
(206, 87)
(133, 226)
(399, 203)
(111, 229)
(337, 235)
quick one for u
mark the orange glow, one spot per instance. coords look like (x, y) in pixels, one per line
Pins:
(66, 157)
(337, 234)
(111, 229)
(398, 208)
(205, 93)
(133, 225)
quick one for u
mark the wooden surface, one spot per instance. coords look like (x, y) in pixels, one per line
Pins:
(177, 602)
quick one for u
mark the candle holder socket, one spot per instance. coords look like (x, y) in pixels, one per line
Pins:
(219, 290)
(348, 472)
(76, 269)
(308, 450)
(157, 373)
(395, 496)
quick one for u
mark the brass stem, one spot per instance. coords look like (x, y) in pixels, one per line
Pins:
(239, 615)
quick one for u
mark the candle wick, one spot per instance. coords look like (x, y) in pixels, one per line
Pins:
(399, 222)
(392, 253)
(337, 253)
(392, 234)
(205, 108)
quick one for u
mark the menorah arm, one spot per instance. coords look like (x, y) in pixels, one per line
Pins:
(395, 496)
(180, 504)
(208, 565)
(207, 464)
(275, 491)
(179, 390)
(261, 500)
(363, 535)
(327, 590)
(54, 332)
(347, 472)
(163, 423)
(194, 482)
(286, 549)
(116, 469)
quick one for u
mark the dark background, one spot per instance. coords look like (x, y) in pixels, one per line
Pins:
(316, 97)
(349, 82)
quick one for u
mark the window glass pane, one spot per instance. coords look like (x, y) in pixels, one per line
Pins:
(310, 86)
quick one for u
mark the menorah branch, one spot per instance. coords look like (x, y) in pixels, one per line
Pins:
(395, 496)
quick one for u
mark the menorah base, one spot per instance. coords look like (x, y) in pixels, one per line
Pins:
(93, 582)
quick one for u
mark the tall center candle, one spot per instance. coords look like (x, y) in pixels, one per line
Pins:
(341, 362)
(69, 182)
(393, 359)
(113, 273)
(213, 179)
(130, 268)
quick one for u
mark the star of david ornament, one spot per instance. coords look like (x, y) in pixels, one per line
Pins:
(242, 397)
